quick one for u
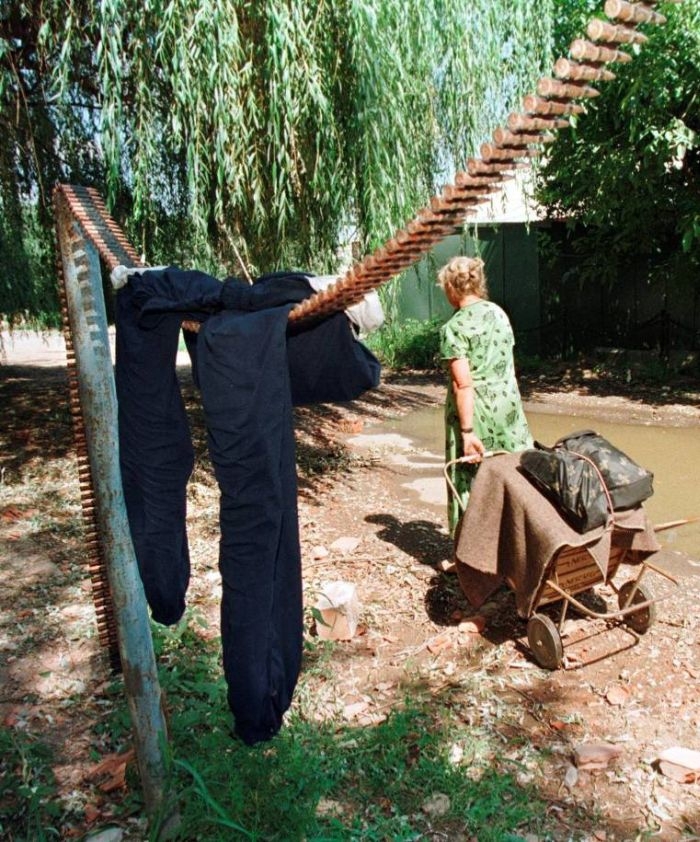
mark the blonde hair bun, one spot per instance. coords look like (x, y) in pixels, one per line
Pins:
(465, 276)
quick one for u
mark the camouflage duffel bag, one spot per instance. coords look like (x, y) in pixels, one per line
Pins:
(572, 483)
(586, 478)
(628, 483)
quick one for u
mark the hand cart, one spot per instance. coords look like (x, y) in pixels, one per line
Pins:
(572, 571)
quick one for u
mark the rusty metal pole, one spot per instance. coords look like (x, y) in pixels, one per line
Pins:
(98, 400)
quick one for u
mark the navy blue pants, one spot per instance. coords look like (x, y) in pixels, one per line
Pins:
(247, 405)
(251, 368)
(156, 455)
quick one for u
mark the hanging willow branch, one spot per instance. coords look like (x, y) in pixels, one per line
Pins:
(273, 124)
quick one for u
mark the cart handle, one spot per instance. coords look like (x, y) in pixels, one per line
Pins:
(671, 524)
(466, 460)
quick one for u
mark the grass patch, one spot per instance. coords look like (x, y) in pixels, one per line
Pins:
(332, 782)
(329, 780)
(412, 344)
(29, 811)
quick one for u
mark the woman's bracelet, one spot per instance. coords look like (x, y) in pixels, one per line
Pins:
(467, 429)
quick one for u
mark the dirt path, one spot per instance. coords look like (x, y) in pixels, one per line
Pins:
(417, 632)
(639, 695)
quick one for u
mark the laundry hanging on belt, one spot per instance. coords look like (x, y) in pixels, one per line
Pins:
(251, 368)
(248, 410)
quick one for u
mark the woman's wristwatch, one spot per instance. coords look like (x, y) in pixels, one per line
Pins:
(467, 429)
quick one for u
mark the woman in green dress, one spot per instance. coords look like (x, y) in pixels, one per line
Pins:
(483, 410)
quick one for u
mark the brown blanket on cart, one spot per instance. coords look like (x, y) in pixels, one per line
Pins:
(511, 533)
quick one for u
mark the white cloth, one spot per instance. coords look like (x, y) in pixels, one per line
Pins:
(119, 276)
(367, 315)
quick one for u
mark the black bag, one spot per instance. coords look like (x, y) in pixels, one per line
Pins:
(572, 483)
(628, 483)
(587, 478)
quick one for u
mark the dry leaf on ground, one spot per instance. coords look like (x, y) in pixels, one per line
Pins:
(439, 643)
(346, 544)
(617, 695)
(10, 514)
(354, 710)
(474, 625)
(571, 777)
(436, 805)
(113, 767)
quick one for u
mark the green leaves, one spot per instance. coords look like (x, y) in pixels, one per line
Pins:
(628, 173)
(266, 127)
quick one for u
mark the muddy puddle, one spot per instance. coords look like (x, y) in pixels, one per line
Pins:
(413, 445)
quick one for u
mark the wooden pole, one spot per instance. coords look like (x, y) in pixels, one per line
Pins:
(98, 401)
(672, 524)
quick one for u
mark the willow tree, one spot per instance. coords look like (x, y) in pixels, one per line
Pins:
(266, 128)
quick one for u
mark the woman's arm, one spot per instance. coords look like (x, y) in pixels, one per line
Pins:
(463, 387)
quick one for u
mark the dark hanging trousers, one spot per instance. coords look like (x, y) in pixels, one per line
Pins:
(251, 367)
(246, 395)
(156, 455)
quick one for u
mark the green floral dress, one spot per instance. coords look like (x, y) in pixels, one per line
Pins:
(481, 333)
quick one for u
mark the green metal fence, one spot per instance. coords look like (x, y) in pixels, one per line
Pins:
(512, 268)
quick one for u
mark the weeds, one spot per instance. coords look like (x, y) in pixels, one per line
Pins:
(410, 345)
(327, 780)
(415, 345)
(317, 781)
(29, 811)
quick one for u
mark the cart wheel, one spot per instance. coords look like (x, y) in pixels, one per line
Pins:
(545, 642)
(640, 621)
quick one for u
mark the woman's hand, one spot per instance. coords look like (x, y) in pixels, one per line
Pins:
(472, 447)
